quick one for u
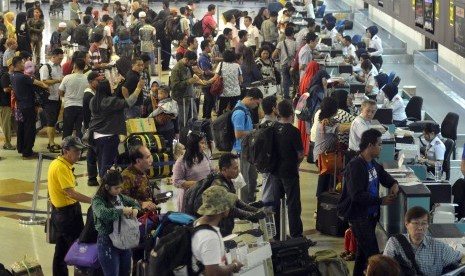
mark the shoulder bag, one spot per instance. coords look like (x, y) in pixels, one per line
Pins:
(126, 233)
(216, 89)
(405, 268)
(329, 162)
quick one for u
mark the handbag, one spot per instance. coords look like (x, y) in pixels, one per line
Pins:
(216, 89)
(50, 231)
(83, 255)
(126, 233)
(329, 162)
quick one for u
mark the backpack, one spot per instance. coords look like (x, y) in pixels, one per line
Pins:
(135, 32)
(223, 130)
(258, 148)
(159, 26)
(123, 33)
(174, 250)
(42, 94)
(307, 105)
(99, 29)
(81, 35)
(192, 199)
(197, 29)
(173, 28)
(329, 263)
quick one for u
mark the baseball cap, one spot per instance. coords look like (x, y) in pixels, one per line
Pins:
(142, 14)
(94, 75)
(72, 142)
(216, 200)
(62, 25)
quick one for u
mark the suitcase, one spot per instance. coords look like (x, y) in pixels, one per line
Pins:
(162, 165)
(291, 257)
(419, 125)
(155, 143)
(327, 221)
(140, 125)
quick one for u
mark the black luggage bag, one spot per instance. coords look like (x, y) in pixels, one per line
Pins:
(291, 257)
(327, 221)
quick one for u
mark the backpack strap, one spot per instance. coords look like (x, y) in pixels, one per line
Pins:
(407, 248)
(199, 264)
(243, 109)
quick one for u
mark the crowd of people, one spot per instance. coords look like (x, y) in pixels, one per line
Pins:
(267, 47)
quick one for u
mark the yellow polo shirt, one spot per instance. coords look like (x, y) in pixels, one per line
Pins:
(60, 177)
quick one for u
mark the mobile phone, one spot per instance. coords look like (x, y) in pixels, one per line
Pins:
(163, 196)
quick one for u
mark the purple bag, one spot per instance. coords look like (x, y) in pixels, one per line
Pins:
(83, 254)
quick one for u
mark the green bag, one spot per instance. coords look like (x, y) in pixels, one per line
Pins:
(329, 263)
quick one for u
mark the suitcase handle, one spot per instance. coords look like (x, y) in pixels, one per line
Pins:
(288, 252)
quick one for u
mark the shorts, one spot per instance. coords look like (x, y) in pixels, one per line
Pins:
(51, 111)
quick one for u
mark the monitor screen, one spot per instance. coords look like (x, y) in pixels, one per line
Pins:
(459, 27)
(429, 16)
(419, 20)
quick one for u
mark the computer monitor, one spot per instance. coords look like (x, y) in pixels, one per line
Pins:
(440, 192)
(357, 88)
(327, 41)
(345, 69)
(384, 116)
(335, 53)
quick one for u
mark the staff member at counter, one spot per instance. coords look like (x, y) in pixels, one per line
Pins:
(435, 150)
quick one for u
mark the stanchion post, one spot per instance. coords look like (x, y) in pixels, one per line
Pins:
(34, 220)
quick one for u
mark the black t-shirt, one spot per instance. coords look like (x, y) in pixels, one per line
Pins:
(23, 87)
(5, 98)
(132, 78)
(288, 143)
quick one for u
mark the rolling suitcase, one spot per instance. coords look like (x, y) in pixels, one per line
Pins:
(327, 221)
(291, 257)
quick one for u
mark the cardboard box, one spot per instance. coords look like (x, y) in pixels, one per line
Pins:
(140, 125)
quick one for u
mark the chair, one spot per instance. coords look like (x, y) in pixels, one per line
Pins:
(356, 39)
(413, 108)
(391, 76)
(450, 146)
(449, 128)
(321, 11)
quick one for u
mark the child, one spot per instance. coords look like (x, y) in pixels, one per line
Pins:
(11, 46)
(108, 206)
(165, 113)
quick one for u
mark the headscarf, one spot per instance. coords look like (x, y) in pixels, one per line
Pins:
(311, 70)
(381, 79)
(373, 30)
(9, 17)
(390, 90)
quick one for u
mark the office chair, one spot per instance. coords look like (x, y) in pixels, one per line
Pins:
(449, 128)
(413, 108)
(356, 39)
(450, 146)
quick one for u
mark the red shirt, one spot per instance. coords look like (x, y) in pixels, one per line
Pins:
(208, 22)
(66, 67)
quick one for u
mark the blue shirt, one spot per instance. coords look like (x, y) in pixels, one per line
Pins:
(373, 187)
(205, 63)
(242, 121)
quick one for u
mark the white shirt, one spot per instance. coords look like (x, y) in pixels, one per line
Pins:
(349, 51)
(435, 150)
(253, 33)
(208, 247)
(57, 73)
(305, 56)
(398, 107)
(106, 34)
(370, 80)
(358, 126)
(300, 37)
(377, 44)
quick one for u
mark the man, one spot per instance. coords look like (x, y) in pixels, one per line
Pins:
(107, 44)
(349, 49)
(136, 185)
(302, 34)
(282, 12)
(145, 75)
(147, 34)
(286, 50)
(71, 90)
(360, 201)
(65, 200)
(209, 24)
(190, 15)
(182, 84)
(205, 64)
(253, 40)
(431, 255)
(116, 6)
(165, 44)
(23, 89)
(285, 179)
(361, 123)
(231, 24)
(132, 79)
(306, 53)
(184, 21)
(5, 106)
(118, 19)
(94, 52)
(81, 34)
(242, 122)
(30, 11)
(269, 29)
(206, 246)
(435, 149)
(370, 72)
(163, 14)
(52, 75)
(93, 78)
(243, 37)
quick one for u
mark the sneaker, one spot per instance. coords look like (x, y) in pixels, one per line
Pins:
(92, 183)
(9, 147)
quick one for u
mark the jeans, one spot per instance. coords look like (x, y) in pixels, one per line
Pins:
(152, 61)
(5, 122)
(68, 224)
(289, 187)
(186, 111)
(133, 112)
(72, 120)
(92, 157)
(27, 131)
(286, 79)
(249, 172)
(367, 245)
(208, 103)
(107, 150)
(114, 261)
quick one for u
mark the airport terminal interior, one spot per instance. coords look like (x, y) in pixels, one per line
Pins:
(426, 67)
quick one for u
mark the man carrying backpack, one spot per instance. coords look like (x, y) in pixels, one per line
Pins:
(286, 50)
(81, 34)
(165, 44)
(242, 123)
(104, 29)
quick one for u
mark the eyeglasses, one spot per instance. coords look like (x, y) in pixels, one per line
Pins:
(418, 224)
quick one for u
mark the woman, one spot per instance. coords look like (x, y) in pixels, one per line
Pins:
(22, 33)
(375, 49)
(380, 265)
(266, 64)
(218, 50)
(263, 14)
(304, 127)
(193, 166)
(9, 17)
(36, 28)
(74, 10)
(394, 100)
(88, 12)
(108, 122)
(109, 205)
(380, 81)
(249, 68)
(326, 140)
(232, 79)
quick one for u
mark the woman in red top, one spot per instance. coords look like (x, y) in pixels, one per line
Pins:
(182, 48)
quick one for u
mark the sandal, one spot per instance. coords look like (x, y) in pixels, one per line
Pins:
(54, 148)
